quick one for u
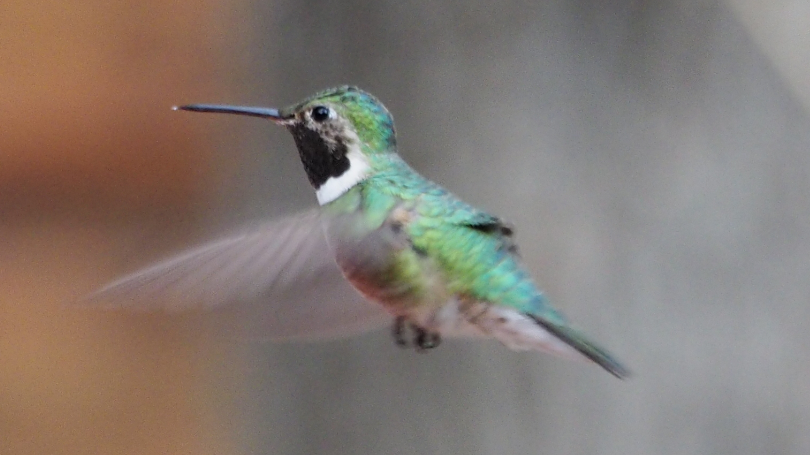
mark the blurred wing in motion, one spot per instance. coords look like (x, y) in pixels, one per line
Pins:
(279, 281)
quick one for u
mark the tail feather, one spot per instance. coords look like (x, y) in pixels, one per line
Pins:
(585, 347)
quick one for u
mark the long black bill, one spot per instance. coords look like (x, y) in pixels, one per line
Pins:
(263, 112)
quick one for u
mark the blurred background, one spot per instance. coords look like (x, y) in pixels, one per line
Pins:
(653, 155)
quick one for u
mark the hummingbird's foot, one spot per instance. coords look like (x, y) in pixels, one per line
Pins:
(424, 340)
(398, 331)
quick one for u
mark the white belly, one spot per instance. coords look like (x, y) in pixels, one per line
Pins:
(512, 328)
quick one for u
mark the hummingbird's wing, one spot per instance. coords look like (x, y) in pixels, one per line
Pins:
(278, 281)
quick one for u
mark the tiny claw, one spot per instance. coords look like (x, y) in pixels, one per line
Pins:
(398, 331)
(425, 340)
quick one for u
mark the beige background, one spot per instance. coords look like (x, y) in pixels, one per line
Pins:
(653, 155)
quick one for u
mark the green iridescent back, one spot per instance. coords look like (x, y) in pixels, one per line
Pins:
(474, 249)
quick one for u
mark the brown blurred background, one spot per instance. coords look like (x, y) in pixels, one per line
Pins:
(653, 154)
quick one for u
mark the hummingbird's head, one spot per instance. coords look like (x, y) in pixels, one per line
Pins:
(336, 131)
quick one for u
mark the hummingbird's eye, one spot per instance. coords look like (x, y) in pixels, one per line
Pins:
(320, 113)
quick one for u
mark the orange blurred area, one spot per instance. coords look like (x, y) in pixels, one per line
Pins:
(88, 141)
(88, 90)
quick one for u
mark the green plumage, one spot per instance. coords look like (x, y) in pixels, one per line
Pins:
(430, 259)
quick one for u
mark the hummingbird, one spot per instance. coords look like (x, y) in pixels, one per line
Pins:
(385, 244)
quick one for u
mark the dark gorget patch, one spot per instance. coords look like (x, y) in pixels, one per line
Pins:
(322, 159)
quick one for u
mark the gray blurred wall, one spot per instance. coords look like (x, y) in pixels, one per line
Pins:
(654, 157)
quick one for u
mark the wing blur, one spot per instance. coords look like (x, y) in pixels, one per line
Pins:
(279, 280)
